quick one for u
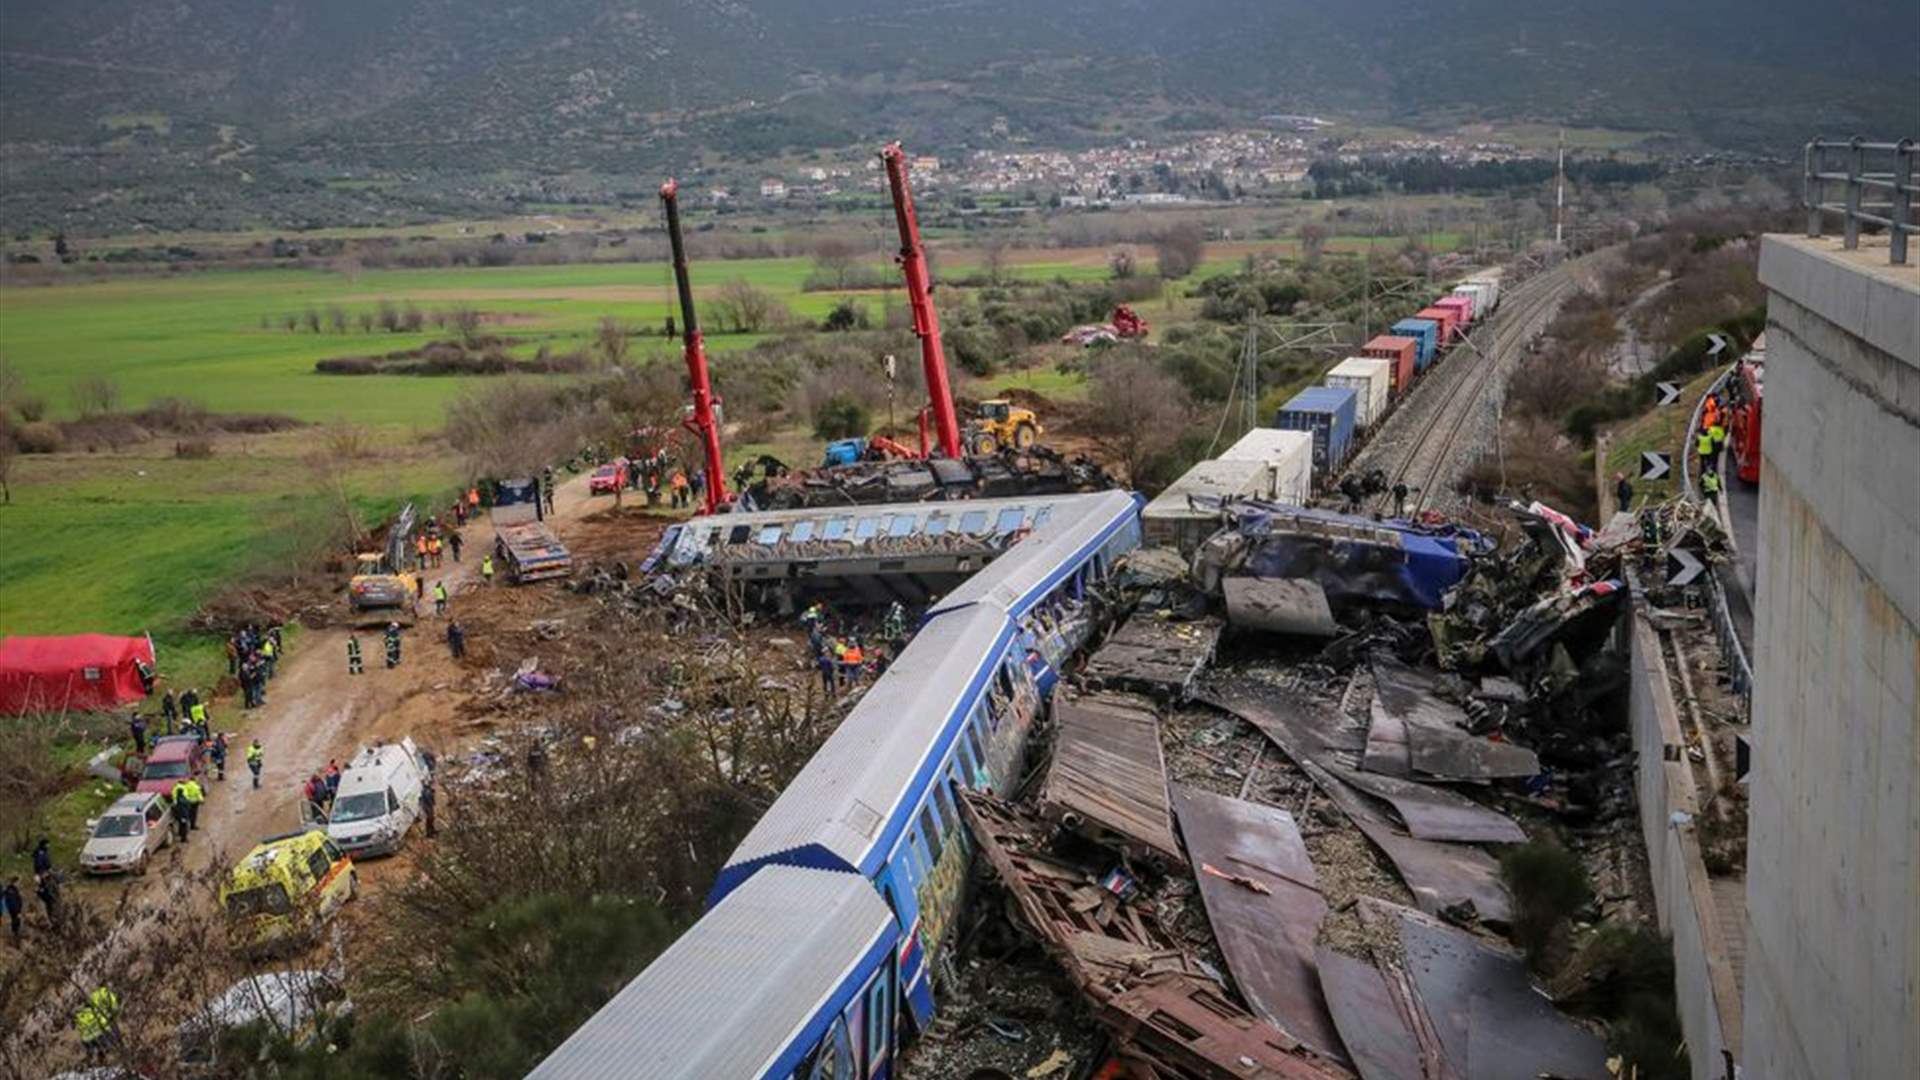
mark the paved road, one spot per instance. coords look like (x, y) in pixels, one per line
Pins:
(1743, 506)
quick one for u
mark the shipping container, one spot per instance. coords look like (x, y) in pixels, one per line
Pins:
(1461, 304)
(1371, 380)
(1449, 320)
(1426, 336)
(1288, 456)
(1327, 412)
(1481, 295)
(1188, 511)
(1491, 280)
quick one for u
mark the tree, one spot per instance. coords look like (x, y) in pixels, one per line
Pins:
(1179, 250)
(744, 309)
(993, 258)
(833, 258)
(840, 417)
(1313, 240)
(9, 451)
(1143, 410)
(846, 315)
(612, 339)
(466, 322)
(1122, 263)
(94, 395)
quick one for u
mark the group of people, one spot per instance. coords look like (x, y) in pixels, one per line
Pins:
(188, 712)
(1709, 441)
(253, 656)
(430, 547)
(320, 788)
(840, 657)
(46, 886)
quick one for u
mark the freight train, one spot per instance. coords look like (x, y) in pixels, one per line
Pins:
(1361, 390)
(822, 935)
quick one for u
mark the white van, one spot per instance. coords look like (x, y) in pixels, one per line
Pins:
(378, 800)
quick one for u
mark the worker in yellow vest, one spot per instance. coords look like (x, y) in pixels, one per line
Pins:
(95, 1021)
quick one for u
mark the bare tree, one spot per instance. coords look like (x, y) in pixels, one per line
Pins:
(1143, 410)
(365, 321)
(613, 340)
(311, 317)
(1122, 263)
(337, 318)
(1313, 240)
(833, 258)
(745, 309)
(389, 317)
(12, 382)
(9, 452)
(94, 395)
(1179, 250)
(993, 257)
(465, 322)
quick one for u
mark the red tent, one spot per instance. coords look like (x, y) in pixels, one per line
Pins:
(82, 671)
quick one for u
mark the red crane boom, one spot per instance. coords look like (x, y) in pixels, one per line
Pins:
(926, 323)
(701, 423)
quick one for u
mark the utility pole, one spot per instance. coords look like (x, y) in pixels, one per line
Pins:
(1250, 378)
(1559, 193)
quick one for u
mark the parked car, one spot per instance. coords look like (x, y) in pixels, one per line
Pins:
(127, 835)
(285, 889)
(172, 759)
(608, 478)
(378, 800)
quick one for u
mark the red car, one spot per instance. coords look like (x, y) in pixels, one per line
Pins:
(608, 478)
(174, 758)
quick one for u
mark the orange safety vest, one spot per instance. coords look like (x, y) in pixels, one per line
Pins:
(854, 656)
(473, 496)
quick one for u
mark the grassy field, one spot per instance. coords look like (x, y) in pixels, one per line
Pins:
(1661, 430)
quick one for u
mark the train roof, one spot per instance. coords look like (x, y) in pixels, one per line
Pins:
(1078, 525)
(740, 992)
(843, 811)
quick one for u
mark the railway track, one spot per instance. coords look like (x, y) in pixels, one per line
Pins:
(1423, 462)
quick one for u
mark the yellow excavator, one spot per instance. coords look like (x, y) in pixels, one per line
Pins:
(383, 590)
(1000, 424)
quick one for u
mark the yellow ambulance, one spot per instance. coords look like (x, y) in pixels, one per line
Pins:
(285, 889)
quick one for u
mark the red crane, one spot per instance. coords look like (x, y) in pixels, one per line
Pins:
(701, 423)
(926, 323)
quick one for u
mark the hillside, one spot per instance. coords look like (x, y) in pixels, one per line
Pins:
(101, 94)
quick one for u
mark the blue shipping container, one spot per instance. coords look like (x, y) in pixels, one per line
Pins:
(1327, 412)
(1427, 333)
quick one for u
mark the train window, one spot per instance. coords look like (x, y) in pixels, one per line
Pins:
(1010, 520)
(770, 534)
(1041, 518)
(902, 525)
(837, 528)
(927, 826)
(802, 531)
(937, 525)
(739, 534)
(1004, 680)
(866, 528)
(974, 522)
(945, 796)
(973, 742)
(879, 1020)
(833, 1060)
(965, 756)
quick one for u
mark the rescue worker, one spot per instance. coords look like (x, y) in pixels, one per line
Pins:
(473, 499)
(1710, 484)
(894, 626)
(486, 569)
(1704, 447)
(169, 710)
(420, 551)
(94, 1021)
(218, 751)
(354, 666)
(433, 550)
(439, 598)
(1718, 433)
(186, 703)
(268, 654)
(426, 802)
(1622, 491)
(456, 640)
(697, 484)
(138, 726)
(1400, 499)
(393, 645)
(679, 488)
(852, 662)
(254, 754)
(314, 791)
(42, 858)
(331, 779)
(198, 715)
(14, 905)
(453, 542)
(47, 888)
(189, 790)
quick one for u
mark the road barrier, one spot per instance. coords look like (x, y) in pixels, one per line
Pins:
(1857, 168)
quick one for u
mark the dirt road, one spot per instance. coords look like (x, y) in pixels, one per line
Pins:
(316, 711)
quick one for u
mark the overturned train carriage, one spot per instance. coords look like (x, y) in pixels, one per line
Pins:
(875, 814)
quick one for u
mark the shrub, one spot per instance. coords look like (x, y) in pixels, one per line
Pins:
(31, 408)
(39, 437)
(1548, 885)
(195, 449)
(840, 417)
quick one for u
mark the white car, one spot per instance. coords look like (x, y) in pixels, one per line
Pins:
(126, 836)
(299, 1005)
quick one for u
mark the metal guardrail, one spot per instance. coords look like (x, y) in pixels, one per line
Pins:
(1857, 168)
(1732, 651)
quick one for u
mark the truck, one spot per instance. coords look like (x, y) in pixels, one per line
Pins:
(525, 546)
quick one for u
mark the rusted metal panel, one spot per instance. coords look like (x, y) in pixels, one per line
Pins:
(1299, 727)
(1263, 900)
(1108, 779)
(1157, 653)
(1193, 1026)
(1435, 813)
(1433, 731)
(1372, 1018)
(1443, 877)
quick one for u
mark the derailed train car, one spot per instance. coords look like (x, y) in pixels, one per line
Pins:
(823, 930)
